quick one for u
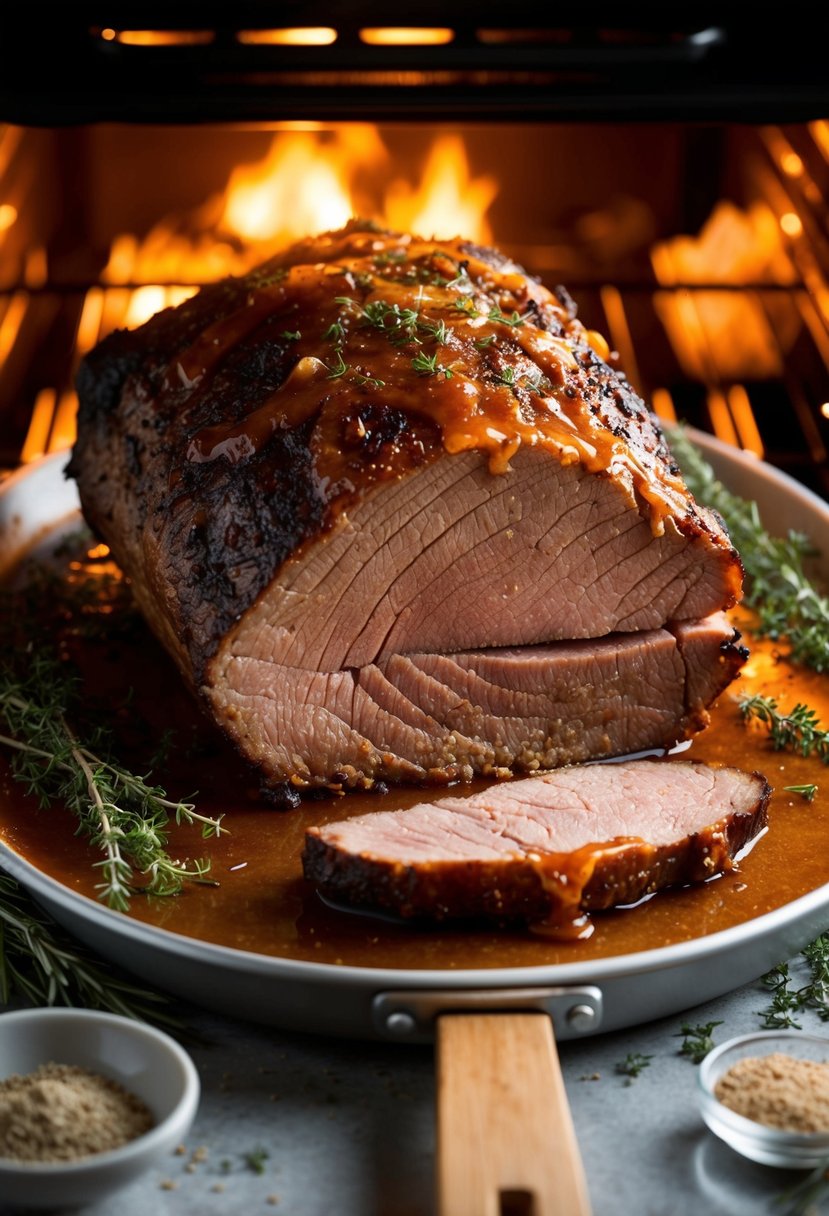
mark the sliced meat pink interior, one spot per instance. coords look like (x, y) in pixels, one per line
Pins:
(583, 837)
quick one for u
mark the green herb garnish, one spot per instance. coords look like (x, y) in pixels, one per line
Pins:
(633, 1063)
(787, 1000)
(338, 367)
(255, 1159)
(806, 791)
(464, 304)
(120, 813)
(427, 365)
(797, 731)
(696, 1040)
(514, 319)
(777, 587)
(42, 963)
(784, 1001)
(334, 333)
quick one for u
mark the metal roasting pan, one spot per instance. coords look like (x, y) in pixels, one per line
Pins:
(601, 995)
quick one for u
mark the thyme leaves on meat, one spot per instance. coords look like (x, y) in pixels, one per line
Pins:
(45, 966)
(513, 320)
(427, 365)
(777, 587)
(798, 730)
(696, 1040)
(122, 815)
(338, 366)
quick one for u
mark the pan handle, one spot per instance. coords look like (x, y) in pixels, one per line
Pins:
(411, 1015)
(506, 1142)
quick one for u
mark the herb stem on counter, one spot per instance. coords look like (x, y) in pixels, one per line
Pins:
(778, 589)
(696, 1040)
(41, 963)
(120, 813)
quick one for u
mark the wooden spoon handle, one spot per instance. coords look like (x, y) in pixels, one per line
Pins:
(506, 1142)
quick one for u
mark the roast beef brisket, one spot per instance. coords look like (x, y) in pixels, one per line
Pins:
(396, 515)
(543, 848)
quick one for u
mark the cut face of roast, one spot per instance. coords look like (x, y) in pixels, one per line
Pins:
(438, 716)
(544, 848)
(396, 516)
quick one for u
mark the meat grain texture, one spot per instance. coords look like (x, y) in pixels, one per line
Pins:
(544, 848)
(397, 516)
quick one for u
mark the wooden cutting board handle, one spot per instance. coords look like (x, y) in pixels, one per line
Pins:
(506, 1142)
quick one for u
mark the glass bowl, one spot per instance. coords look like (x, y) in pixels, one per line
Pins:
(768, 1145)
(143, 1060)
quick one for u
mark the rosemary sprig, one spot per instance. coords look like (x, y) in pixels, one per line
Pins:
(806, 791)
(798, 731)
(121, 813)
(777, 587)
(45, 966)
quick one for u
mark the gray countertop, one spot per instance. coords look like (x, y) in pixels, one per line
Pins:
(349, 1127)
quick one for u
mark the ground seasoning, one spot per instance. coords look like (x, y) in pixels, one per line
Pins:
(63, 1113)
(778, 1091)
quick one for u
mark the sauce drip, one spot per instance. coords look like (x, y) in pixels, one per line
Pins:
(430, 329)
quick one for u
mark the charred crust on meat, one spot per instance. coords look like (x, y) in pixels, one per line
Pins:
(211, 484)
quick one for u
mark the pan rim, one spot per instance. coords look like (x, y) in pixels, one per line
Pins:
(693, 950)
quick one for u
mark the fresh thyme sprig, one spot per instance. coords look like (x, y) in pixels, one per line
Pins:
(786, 1000)
(42, 964)
(799, 730)
(119, 812)
(633, 1063)
(777, 587)
(696, 1040)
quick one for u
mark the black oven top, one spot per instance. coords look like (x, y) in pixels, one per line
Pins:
(181, 62)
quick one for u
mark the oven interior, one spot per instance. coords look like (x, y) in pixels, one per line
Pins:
(699, 247)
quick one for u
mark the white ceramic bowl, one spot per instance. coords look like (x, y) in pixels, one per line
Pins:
(143, 1060)
(769, 1145)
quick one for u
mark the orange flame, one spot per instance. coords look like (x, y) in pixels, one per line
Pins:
(310, 180)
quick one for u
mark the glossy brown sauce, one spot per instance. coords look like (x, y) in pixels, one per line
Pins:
(263, 904)
(488, 356)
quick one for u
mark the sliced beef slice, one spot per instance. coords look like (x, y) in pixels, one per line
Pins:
(581, 838)
(372, 453)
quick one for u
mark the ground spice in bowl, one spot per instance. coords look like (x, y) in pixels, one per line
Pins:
(63, 1113)
(779, 1091)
